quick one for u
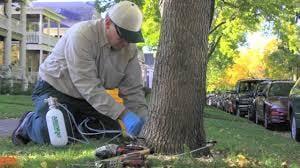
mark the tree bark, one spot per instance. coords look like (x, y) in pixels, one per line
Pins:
(179, 84)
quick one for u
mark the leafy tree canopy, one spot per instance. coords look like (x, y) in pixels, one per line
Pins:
(281, 63)
(233, 19)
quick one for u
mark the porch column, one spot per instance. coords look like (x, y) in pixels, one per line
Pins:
(58, 29)
(6, 69)
(40, 28)
(48, 26)
(7, 39)
(48, 30)
(22, 60)
(41, 57)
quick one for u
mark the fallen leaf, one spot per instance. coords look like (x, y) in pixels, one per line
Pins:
(284, 164)
(242, 161)
(44, 164)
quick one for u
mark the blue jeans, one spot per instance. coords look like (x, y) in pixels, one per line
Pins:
(36, 127)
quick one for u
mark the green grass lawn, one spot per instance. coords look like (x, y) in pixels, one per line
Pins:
(13, 106)
(240, 144)
(236, 135)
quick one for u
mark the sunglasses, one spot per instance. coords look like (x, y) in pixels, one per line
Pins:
(118, 31)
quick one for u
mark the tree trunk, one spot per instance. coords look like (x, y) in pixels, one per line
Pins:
(178, 97)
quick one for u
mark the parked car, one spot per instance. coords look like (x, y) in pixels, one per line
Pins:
(251, 108)
(272, 104)
(294, 111)
(244, 95)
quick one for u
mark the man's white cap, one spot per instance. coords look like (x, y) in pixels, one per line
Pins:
(128, 19)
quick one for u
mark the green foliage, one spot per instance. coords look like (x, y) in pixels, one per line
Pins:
(26, 1)
(16, 89)
(281, 64)
(216, 74)
(233, 19)
(285, 61)
(102, 5)
(151, 25)
(288, 33)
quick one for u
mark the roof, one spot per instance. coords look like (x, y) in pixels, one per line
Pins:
(282, 81)
(73, 11)
(252, 80)
(277, 81)
(45, 11)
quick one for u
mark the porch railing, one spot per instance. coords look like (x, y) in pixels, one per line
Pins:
(33, 38)
(16, 26)
(3, 22)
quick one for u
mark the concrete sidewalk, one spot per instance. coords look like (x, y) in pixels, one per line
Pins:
(7, 126)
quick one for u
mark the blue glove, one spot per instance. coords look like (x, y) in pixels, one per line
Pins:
(133, 123)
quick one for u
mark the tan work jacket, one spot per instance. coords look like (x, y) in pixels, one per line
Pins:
(83, 65)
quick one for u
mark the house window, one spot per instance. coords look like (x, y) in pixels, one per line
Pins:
(33, 27)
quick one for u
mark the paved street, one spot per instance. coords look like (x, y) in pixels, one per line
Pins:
(7, 126)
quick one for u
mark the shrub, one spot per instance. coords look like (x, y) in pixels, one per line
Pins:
(14, 87)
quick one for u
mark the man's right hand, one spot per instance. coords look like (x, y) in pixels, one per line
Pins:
(132, 122)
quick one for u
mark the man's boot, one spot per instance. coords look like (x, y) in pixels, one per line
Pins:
(18, 136)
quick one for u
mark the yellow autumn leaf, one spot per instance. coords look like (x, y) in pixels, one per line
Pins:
(284, 164)
(231, 163)
(249, 63)
(44, 164)
(242, 161)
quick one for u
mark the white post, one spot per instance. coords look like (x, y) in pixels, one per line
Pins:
(22, 60)
(48, 31)
(40, 28)
(41, 57)
(58, 29)
(48, 26)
